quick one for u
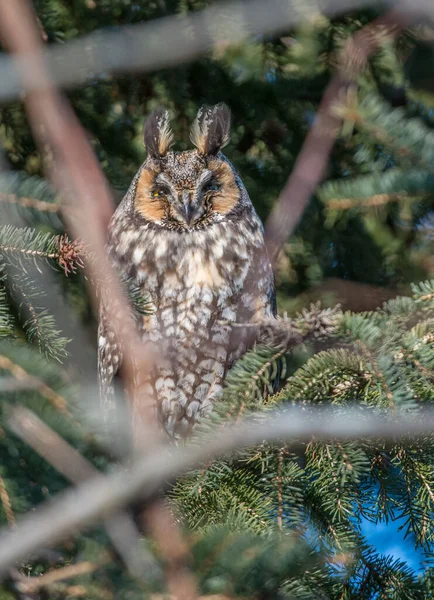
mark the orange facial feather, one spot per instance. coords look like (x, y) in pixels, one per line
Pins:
(228, 196)
(152, 209)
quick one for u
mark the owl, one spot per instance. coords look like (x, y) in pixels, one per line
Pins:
(186, 234)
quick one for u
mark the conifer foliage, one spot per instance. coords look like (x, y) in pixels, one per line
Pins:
(279, 521)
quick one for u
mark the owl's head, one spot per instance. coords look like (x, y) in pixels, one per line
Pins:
(188, 190)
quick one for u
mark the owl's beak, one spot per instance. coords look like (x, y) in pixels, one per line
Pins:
(188, 212)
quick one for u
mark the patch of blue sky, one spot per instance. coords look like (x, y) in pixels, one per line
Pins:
(388, 540)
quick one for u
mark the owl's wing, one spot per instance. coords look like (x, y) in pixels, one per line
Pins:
(257, 301)
(111, 349)
(109, 362)
(272, 300)
(260, 286)
(273, 309)
(265, 290)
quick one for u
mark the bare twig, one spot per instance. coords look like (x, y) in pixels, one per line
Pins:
(29, 381)
(179, 579)
(10, 384)
(6, 502)
(40, 205)
(366, 203)
(77, 172)
(46, 442)
(32, 584)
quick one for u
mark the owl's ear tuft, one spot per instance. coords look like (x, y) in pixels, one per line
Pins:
(157, 134)
(211, 128)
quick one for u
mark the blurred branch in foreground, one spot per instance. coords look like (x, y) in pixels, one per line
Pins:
(65, 459)
(313, 159)
(92, 500)
(161, 43)
(392, 367)
(77, 172)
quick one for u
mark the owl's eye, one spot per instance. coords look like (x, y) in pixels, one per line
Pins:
(157, 193)
(212, 186)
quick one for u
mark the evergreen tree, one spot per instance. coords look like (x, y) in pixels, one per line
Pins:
(267, 522)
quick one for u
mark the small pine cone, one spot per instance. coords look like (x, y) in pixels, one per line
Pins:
(318, 323)
(70, 254)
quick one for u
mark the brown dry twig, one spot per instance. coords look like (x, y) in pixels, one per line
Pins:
(174, 549)
(21, 375)
(32, 584)
(366, 203)
(75, 169)
(39, 205)
(6, 502)
(165, 42)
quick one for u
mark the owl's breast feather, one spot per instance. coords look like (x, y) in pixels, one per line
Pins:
(212, 258)
(199, 283)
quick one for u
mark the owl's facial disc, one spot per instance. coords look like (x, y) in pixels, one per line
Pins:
(183, 203)
(185, 191)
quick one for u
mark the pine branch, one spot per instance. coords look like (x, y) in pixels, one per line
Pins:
(423, 292)
(97, 498)
(6, 319)
(9, 363)
(276, 337)
(410, 140)
(26, 243)
(30, 198)
(337, 373)
(366, 203)
(368, 191)
(65, 459)
(32, 584)
(40, 326)
(141, 305)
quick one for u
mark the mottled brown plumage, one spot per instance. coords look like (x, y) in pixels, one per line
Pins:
(188, 236)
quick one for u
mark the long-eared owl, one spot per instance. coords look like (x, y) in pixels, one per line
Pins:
(187, 235)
